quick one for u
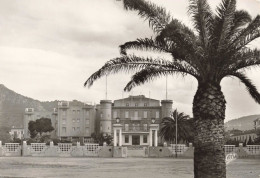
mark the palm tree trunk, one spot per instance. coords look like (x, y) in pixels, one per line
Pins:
(209, 113)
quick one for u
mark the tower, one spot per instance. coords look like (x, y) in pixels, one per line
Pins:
(166, 108)
(28, 116)
(105, 117)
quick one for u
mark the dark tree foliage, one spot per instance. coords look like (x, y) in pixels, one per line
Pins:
(40, 126)
(250, 141)
(100, 138)
(184, 128)
(257, 139)
(32, 129)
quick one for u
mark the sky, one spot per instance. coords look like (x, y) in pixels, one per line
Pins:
(48, 48)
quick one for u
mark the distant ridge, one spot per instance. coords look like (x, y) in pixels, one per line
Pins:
(12, 106)
(242, 123)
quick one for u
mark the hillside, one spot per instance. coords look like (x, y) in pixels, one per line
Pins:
(12, 106)
(242, 123)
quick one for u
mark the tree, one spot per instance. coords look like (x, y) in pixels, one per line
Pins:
(100, 138)
(217, 49)
(184, 128)
(40, 126)
(250, 142)
(32, 129)
(257, 139)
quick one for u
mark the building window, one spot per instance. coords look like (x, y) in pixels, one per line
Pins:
(87, 122)
(115, 114)
(73, 111)
(78, 120)
(136, 114)
(145, 114)
(126, 127)
(101, 128)
(64, 130)
(78, 129)
(126, 114)
(127, 104)
(145, 127)
(145, 139)
(64, 112)
(157, 114)
(87, 114)
(126, 139)
(87, 130)
(73, 120)
(136, 104)
(78, 111)
(101, 115)
(63, 121)
(73, 129)
(145, 104)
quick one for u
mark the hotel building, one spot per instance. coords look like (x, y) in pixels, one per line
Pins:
(132, 121)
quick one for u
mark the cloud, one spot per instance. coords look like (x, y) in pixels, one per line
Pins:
(48, 49)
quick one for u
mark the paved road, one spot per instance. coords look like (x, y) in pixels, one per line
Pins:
(115, 167)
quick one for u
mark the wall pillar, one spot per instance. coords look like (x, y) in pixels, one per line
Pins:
(155, 138)
(1, 149)
(151, 138)
(120, 137)
(115, 139)
(154, 132)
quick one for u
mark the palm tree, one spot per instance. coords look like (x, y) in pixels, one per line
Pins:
(218, 48)
(184, 128)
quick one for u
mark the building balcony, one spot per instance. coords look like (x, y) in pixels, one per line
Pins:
(135, 129)
(136, 118)
(63, 104)
(29, 110)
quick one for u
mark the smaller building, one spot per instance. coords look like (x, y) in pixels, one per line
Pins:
(17, 133)
(257, 123)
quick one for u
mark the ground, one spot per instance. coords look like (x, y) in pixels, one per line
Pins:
(116, 167)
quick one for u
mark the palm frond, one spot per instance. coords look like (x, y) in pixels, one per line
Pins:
(157, 16)
(202, 19)
(223, 22)
(127, 64)
(178, 37)
(144, 44)
(247, 35)
(152, 72)
(251, 88)
(241, 18)
(244, 59)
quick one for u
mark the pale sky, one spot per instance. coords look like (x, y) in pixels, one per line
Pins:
(48, 48)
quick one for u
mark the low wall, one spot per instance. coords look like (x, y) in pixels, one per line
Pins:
(119, 152)
(94, 150)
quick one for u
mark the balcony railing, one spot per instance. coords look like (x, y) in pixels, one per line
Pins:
(135, 129)
(136, 118)
(29, 110)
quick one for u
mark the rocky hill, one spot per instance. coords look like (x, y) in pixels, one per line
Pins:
(242, 123)
(12, 106)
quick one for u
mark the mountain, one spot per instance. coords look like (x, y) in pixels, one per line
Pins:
(242, 123)
(12, 107)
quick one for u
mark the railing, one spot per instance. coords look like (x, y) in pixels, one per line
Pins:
(180, 148)
(135, 129)
(136, 118)
(37, 147)
(91, 149)
(65, 147)
(29, 110)
(253, 149)
(12, 147)
(230, 149)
